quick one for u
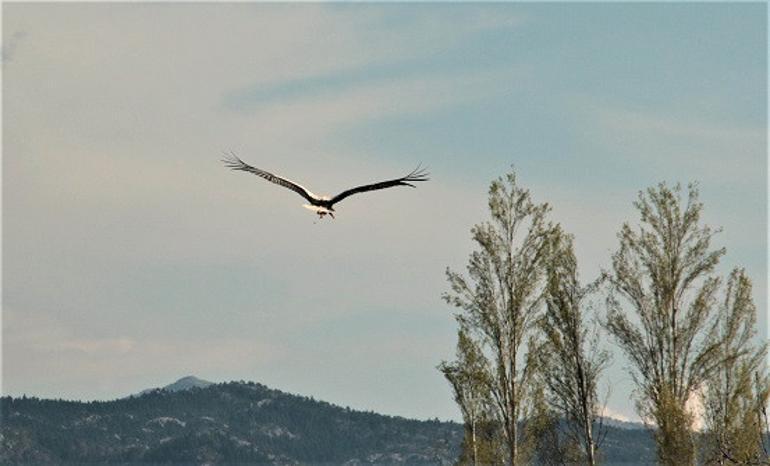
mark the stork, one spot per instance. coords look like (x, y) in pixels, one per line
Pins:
(323, 205)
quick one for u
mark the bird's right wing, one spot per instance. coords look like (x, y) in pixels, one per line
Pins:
(233, 162)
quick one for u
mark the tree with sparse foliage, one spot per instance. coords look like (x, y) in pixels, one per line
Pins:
(468, 377)
(571, 359)
(663, 272)
(500, 302)
(736, 394)
(545, 428)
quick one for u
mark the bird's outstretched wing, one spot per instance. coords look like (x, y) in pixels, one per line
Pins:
(233, 162)
(418, 174)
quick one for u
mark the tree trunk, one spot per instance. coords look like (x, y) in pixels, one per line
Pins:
(473, 439)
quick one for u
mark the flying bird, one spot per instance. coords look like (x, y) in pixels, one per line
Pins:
(323, 205)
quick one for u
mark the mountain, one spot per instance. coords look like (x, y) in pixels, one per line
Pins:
(185, 383)
(238, 423)
(230, 423)
(621, 424)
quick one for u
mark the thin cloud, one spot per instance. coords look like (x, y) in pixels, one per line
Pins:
(10, 45)
(326, 112)
(107, 346)
(53, 355)
(704, 149)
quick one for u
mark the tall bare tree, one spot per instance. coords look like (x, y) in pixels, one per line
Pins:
(500, 301)
(571, 359)
(736, 394)
(663, 273)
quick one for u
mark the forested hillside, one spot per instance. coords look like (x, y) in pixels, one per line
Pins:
(226, 423)
(237, 422)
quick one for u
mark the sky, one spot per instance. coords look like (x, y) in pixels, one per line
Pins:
(132, 257)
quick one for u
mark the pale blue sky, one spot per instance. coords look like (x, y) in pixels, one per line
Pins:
(131, 257)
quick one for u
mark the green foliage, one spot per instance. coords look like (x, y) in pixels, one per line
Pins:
(571, 361)
(684, 347)
(673, 433)
(737, 393)
(551, 447)
(470, 382)
(500, 304)
(663, 271)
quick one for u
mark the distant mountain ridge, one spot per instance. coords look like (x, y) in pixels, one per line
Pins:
(191, 381)
(185, 383)
(622, 424)
(193, 421)
(230, 423)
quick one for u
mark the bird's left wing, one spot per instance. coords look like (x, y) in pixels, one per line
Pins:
(419, 174)
(233, 162)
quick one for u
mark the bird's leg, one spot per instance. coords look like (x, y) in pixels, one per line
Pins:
(331, 215)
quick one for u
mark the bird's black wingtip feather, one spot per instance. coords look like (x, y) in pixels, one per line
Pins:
(418, 174)
(232, 161)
